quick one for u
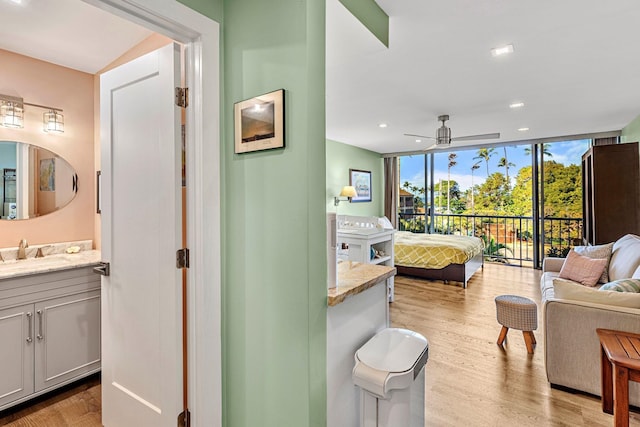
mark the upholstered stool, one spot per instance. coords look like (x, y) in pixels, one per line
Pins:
(520, 313)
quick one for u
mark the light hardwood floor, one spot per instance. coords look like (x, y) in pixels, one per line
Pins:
(74, 406)
(470, 380)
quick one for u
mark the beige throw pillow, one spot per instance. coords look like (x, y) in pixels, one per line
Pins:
(598, 252)
(582, 269)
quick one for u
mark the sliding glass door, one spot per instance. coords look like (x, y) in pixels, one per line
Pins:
(524, 201)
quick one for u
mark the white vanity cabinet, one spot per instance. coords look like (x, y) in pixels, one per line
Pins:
(49, 332)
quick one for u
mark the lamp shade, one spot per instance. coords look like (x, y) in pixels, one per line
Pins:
(53, 121)
(348, 191)
(11, 114)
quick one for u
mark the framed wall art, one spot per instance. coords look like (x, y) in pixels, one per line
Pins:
(361, 180)
(259, 123)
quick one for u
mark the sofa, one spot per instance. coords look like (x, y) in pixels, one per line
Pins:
(572, 348)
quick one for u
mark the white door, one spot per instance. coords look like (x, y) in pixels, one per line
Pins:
(141, 231)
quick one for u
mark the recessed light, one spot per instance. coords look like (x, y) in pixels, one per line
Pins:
(523, 129)
(382, 125)
(418, 140)
(503, 50)
(516, 105)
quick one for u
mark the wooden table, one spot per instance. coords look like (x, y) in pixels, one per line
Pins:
(620, 363)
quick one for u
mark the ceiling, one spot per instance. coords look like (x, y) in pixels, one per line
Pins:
(70, 33)
(574, 65)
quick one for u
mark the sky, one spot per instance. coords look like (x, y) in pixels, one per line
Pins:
(412, 167)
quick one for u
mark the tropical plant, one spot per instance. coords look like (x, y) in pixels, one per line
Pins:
(545, 150)
(485, 154)
(452, 163)
(495, 251)
(475, 166)
(506, 164)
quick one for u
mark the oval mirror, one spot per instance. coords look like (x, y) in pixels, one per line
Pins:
(34, 181)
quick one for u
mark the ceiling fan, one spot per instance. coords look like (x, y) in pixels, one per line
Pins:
(443, 135)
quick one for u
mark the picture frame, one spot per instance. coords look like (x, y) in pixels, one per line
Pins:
(48, 174)
(361, 181)
(259, 123)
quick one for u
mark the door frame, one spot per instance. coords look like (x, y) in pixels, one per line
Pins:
(201, 37)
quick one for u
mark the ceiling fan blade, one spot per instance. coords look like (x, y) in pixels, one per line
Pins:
(474, 137)
(419, 136)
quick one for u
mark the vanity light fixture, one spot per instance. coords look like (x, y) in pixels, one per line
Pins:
(348, 191)
(12, 114)
(53, 121)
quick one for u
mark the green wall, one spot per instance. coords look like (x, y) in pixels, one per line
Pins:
(274, 241)
(341, 158)
(371, 16)
(631, 132)
(209, 8)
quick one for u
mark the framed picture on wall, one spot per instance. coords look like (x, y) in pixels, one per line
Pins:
(259, 123)
(361, 180)
(48, 174)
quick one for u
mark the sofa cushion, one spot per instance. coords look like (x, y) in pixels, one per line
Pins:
(636, 274)
(622, 285)
(598, 252)
(566, 289)
(546, 285)
(582, 269)
(625, 258)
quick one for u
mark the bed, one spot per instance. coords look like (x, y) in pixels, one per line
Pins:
(438, 256)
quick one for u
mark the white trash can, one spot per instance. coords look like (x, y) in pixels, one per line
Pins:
(389, 371)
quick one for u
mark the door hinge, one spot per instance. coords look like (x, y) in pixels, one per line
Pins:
(182, 258)
(182, 97)
(184, 419)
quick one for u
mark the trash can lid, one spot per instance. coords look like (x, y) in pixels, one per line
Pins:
(393, 350)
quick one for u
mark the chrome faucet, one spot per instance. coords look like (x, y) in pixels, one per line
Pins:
(21, 249)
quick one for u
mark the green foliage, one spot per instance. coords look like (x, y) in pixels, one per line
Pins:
(494, 251)
(558, 252)
(493, 194)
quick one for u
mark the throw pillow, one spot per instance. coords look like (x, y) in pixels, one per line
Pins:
(622, 285)
(564, 289)
(598, 251)
(582, 269)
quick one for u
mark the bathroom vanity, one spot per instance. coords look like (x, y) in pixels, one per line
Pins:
(357, 309)
(49, 323)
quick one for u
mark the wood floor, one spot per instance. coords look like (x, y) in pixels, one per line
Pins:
(74, 406)
(470, 380)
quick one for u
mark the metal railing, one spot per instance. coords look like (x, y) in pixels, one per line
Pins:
(507, 239)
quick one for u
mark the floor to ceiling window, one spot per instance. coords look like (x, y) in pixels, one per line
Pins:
(498, 194)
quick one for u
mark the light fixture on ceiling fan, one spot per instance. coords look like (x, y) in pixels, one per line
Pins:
(443, 135)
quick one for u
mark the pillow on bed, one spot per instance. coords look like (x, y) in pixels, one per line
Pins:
(566, 289)
(582, 269)
(598, 252)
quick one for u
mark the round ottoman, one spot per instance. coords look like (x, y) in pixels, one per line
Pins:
(519, 313)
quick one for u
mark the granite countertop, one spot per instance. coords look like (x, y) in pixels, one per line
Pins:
(355, 277)
(55, 258)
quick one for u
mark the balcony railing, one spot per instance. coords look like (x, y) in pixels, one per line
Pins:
(507, 239)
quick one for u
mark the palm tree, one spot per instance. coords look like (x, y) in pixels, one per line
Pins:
(475, 166)
(452, 163)
(506, 164)
(485, 154)
(545, 150)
